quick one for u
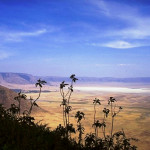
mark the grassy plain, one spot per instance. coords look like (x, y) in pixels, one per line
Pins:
(134, 118)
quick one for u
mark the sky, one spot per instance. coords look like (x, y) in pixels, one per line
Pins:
(92, 38)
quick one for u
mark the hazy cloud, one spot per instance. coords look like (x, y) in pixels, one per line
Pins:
(4, 54)
(134, 25)
(18, 35)
(122, 65)
(113, 65)
(103, 65)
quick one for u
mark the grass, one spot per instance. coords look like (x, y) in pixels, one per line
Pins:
(134, 118)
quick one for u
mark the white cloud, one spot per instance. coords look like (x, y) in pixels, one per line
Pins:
(122, 65)
(34, 33)
(139, 32)
(18, 35)
(113, 9)
(139, 28)
(120, 45)
(133, 24)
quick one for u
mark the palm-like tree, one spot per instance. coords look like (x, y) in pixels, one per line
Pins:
(66, 96)
(62, 85)
(19, 98)
(39, 84)
(74, 79)
(64, 104)
(112, 103)
(80, 129)
(95, 102)
(111, 100)
(79, 116)
(67, 111)
(106, 112)
(97, 125)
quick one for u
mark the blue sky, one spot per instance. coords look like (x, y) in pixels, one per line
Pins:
(98, 38)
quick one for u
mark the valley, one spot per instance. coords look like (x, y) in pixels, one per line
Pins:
(133, 119)
(134, 97)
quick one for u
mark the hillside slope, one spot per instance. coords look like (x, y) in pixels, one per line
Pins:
(7, 98)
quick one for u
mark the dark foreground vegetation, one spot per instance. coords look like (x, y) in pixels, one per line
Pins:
(18, 131)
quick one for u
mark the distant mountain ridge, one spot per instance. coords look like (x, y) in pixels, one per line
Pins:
(17, 78)
(23, 78)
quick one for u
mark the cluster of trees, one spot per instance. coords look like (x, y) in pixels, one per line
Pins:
(18, 131)
(112, 141)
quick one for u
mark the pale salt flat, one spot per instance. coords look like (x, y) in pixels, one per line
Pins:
(114, 89)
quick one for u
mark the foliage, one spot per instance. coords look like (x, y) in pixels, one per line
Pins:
(20, 132)
(96, 124)
(79, 116)
(66, 102)
(18, 99)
